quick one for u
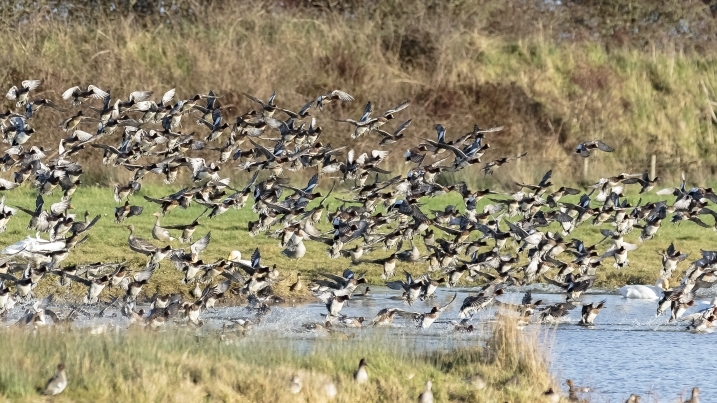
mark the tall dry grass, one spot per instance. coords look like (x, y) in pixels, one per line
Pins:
(175, 366)
(552, 75)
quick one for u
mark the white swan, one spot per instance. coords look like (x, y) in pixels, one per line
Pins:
(235, 257)
(29, 246)
(645, 291)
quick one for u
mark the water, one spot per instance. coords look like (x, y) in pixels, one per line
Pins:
(631, 351)
(627, 351)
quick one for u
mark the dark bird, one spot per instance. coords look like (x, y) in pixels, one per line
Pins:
(585, 148)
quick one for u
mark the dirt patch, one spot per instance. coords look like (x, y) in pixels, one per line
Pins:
(592, 79)
(342, 63)
(525, 119)
(418, 50)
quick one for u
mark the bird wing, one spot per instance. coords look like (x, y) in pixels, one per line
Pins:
(546, 178)
(268, 154)
(447, 230)
(68, 93)
(106, 147)
(338, 279)
(312, 183)
(201, 244)
(699, 222)
(398, 108)
(402, 127)
(255, 99)
(96, 92)
(458, 152)
(60, 207)
(80, 280)
(555, 283)
(343, 96)
(527, 298)
(604, 147)
(31, 84)
(516, 229)
(167, 97)
(395, 285)
(135, 210)
(443, 308)
(145, 274)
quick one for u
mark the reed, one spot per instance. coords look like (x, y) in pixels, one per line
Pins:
(178, 366)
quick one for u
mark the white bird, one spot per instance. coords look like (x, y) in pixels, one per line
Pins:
(704, 305)
(645, 291)
(295, 385)
(29, 246)
(361, 375)
(22, 94)
(330, 390)
(427, 395)
(235, 257)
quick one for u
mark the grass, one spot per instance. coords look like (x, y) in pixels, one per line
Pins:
(181, 367)
(636, 82)
(456, 65)
(108, 242)
(637, 74)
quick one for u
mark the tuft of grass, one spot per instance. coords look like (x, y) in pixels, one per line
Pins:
(175, 366)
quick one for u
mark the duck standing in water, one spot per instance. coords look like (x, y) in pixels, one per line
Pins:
(590, 311)
(335, 303)
(426, 320)
(695, 396)
(574, 390)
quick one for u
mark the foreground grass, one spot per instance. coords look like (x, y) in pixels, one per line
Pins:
(108, 242)
(143, 366)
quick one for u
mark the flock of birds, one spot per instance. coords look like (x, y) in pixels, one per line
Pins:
(462, 243)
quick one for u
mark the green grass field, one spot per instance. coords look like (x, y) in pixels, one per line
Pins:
(108, 241)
